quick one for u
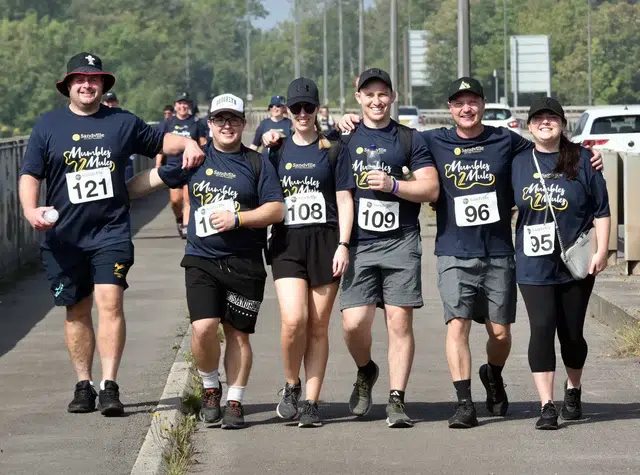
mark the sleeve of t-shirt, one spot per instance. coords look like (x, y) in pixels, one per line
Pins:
(257, 139)
(203, 130)
(519, 143)
(421, 156)
(174, 176)
(598, 194)
(148, 140)
(333, 134)
(35, 158)
(343, 172)
(269, 188)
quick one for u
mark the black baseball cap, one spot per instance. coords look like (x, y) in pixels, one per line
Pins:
(183, 96)
(465, 84)
(303, 90)
(374, 73)
(548, 104)
(109, 96)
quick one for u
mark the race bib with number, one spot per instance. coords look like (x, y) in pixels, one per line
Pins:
(89, 185)
(203, 214)
(539, 239)
(378, 216)
(305, 208)
(476, 210)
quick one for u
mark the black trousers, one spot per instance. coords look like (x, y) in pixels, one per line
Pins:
(560, 307)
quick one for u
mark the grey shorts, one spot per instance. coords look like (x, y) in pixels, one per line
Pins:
(481, 288)
(384, 271)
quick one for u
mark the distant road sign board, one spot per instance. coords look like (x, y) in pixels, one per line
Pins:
(418, 72)
(530, 65)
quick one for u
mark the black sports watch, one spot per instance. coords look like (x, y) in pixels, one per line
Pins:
(343, 243)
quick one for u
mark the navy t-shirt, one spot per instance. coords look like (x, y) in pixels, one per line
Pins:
(310, 183)
(473, 212)
(83, 160)
(268, 124)
(379, 214)
(227, 181)
(576, 203)
(189, 127)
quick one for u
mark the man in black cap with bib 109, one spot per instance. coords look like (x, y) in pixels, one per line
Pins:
(81, 151)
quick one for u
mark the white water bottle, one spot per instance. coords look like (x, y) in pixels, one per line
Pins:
(51, 215)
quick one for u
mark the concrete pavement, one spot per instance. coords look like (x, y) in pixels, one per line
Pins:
(605, 441)
(37, 435)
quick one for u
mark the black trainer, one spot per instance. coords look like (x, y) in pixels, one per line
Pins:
(210, 412)
(465, 416)
(84, 398)
(310, 415)
(572, 406)
(109, 399)
(233, 417)
(287, 408)
(548, 417)
(360, 400)
(497, 401)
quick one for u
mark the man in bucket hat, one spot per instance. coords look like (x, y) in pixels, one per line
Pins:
(81, 151)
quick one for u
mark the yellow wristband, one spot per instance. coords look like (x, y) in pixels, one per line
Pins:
(239, 219)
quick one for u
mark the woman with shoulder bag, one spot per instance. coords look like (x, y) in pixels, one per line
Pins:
(562, 237)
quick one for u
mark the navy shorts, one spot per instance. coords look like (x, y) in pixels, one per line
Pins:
(72, 272)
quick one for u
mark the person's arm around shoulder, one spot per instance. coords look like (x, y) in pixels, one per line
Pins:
(348, 123)
(148, 181)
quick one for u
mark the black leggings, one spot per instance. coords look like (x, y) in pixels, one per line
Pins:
(561, 306)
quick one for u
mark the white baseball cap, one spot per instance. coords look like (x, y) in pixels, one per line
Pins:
(227, 103)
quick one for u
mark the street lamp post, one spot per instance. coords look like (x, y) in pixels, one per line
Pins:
(296, 71)
(341, 57)
(504, 34)
(361, 37)
(464, 66)
(589, 51)
(393, 55)
(325, 85)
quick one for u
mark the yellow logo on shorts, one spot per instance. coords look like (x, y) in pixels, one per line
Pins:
(117, 270)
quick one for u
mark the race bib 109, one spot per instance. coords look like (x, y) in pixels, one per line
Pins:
(378, 216)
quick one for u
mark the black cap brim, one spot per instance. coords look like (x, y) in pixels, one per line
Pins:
(109, 79)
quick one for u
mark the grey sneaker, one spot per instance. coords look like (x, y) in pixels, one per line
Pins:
(233, 417)
(396, 416)
(288, 406)
(360, 400)
(309, 415)
(210, 411)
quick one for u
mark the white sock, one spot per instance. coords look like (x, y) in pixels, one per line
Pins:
(235, 393)
(209, 380)
(102, 385)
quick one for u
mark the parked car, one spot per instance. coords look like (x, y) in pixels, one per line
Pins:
(410, 116)
(500, 115)
(610, 127)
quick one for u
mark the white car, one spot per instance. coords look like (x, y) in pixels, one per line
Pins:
(499, 115)
(410, 116)
(610, 127)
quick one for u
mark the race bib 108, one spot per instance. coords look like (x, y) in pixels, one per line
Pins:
(305, 208)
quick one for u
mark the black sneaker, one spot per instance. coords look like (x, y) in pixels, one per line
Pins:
(360, 400)
(548, 417)
(288, 406)
(497, 401)
(396, 417)
(210, 412)
(84, 398)
(182, 229)
(572, 406)
(310, 415)
(233, 417)
(465, 416)
(109, 399)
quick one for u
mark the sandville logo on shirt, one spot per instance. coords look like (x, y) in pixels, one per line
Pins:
(466, 174)
(299, 166)
(534, 193)
(182, 130)
(468, 151)
(96, 136)
(306, 185)
(81, 159)
(208, 194)
(218, 173)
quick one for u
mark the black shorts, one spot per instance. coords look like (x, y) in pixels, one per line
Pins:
(72, 272)
(230, 289)
(304, 253)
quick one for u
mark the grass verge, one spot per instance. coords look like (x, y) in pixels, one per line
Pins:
(627, 342)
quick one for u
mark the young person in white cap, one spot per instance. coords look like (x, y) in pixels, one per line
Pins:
(234, 195)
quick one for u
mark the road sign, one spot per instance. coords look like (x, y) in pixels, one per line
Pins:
(530, 65)
(418, 71)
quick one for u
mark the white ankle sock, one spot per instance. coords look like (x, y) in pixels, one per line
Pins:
(235, 393)
(209, 380)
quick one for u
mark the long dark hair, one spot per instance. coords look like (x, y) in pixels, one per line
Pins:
(568, 158)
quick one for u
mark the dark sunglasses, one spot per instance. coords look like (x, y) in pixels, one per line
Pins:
(219, 121)
(308, 108)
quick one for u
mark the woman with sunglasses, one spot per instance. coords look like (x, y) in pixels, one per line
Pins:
(559, 198)
(309, 249)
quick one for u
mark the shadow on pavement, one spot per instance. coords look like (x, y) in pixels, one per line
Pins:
(25, 302)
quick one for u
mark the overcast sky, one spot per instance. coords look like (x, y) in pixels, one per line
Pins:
(279, 10)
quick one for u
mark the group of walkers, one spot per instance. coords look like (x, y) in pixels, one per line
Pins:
(344, 218)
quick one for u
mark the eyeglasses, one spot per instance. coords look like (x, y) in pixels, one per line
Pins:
(308, 108)
(222, 121)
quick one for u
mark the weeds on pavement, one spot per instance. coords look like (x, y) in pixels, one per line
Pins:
(627, 342)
